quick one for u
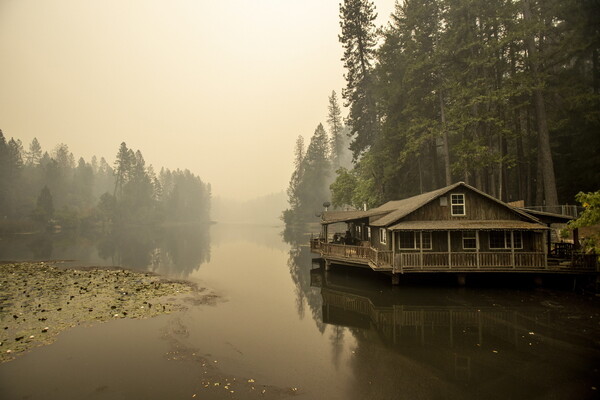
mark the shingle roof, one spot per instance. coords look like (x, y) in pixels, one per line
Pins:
(463, 225)
(393, 211)
(402, 208)
(331, 217)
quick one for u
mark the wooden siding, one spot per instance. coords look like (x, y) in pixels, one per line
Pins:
(477, 208)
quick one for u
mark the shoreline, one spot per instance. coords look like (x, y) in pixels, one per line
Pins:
(38, 300)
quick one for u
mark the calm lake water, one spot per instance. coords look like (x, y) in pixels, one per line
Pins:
(283, 327)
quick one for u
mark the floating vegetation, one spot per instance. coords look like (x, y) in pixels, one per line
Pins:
(39, 300)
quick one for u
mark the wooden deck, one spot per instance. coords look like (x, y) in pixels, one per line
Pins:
(456, 262)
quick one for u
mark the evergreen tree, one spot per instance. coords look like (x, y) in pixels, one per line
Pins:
(34, 155)
(122, 168)
(313, 187)
(292, 191)
(44, 210)
(336, 128)
(358, 38)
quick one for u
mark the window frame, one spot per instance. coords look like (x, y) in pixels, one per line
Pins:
(430, 240)
(383, 235)
(462, 204)
(416, 240)
(508, 243)
(503, 234)
(474, 239)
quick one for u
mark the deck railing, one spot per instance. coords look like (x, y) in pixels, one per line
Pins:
(469, 261)
(443, 261)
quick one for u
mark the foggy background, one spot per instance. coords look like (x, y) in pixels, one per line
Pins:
(220, 88)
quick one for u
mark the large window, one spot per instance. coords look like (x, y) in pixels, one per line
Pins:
(368, 232)
(501, 240)
(457, 202)
(408, 240)
(382, 235)
(469, 240)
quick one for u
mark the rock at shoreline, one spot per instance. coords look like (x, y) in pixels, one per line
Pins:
(38, 301)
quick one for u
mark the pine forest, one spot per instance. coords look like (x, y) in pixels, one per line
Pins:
(501, 94)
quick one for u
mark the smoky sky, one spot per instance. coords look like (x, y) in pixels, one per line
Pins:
(222, 88)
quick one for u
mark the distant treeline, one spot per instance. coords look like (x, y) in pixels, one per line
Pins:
(314, 168)
(40, 189)
(504, 95)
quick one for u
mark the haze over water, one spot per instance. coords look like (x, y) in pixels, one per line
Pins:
(283, 325)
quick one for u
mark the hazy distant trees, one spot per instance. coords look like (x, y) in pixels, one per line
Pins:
(308, 187)
(314, 167)
(44, 210)
(503, 95)
(37, 186)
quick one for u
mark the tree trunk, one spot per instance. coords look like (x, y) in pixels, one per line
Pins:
(545, 155)
(447, 171)
(521, 162)
(435, 164)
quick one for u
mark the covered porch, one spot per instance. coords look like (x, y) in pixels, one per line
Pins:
(448, 247)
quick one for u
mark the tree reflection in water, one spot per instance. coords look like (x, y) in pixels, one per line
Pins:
(419, 341)
(300, 263)
(174, 251)
(445, 342)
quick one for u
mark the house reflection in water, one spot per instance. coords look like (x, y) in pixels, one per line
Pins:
(455, 343)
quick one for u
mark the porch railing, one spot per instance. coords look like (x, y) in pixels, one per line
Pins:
(443, 261)
(468, 261)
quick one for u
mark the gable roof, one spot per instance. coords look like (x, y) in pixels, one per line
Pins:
(404, 207)
(392, 211)
(407, 206)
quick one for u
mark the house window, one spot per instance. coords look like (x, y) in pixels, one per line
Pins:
(368, 232)
(359, 232)
(406, 240)
(410, 240)
(426, 241)
(383, 236)
(501, 240)
(469, 240)
(457, 202)
(518, 239)
(497, 240)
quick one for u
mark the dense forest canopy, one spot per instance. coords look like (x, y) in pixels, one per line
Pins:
(502, 94)
(38, 188)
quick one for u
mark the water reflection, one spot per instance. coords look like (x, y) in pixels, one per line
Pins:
(174, 251)
(455, 343)
(300, 262)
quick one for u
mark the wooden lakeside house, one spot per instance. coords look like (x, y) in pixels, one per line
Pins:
(456, 229)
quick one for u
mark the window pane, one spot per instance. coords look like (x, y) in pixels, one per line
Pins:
(427, 240)
(458, 204)
(469, 240)
(407, 240)
(382, 236)
(518, 240)
(497, 240)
